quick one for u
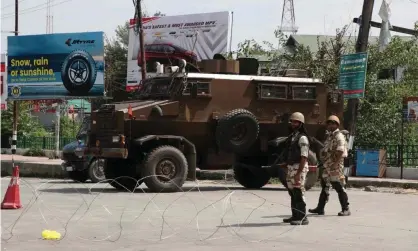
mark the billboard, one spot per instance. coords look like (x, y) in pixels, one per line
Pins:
(353, 70)
(3, 78)
(51, 66)
(191, 37)
(410, 109)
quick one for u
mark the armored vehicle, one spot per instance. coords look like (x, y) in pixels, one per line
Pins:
(84, 167)
(216, 117)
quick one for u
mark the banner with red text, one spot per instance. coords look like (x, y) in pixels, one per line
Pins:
(168, 38)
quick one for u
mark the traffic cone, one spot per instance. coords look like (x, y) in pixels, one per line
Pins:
(12, 198)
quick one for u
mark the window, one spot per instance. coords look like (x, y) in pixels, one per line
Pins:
(150, 48)
(169, 49)
(203, 88)
(272, 91)
(304, 92)
(159, 48)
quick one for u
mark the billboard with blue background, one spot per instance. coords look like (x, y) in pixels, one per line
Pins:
(52, 66)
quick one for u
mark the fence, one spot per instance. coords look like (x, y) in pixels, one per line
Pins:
(46, 143)
(394, 155)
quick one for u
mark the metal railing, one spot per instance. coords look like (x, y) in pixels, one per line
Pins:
(396, 155)
(45, 143)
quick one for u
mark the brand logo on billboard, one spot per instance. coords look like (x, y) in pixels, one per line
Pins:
(16, 91)
(70, 42)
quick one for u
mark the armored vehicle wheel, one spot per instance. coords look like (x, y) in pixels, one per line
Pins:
(80, 176)
(96, 170)
(251, 177)
(121, 174)
(165, 169)
(237, 131)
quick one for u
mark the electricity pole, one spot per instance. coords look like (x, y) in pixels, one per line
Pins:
(141, 40)
(57, 130)
(15, 104)
(361, 46)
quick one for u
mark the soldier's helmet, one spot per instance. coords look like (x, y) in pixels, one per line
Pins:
(297, 116)
(334, 118)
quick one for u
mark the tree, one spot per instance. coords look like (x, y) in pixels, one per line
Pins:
(116, 52)
(26, 124)
(68, 127)
(380, 111)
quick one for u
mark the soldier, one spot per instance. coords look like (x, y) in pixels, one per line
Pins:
(335, 149)
(296, 160)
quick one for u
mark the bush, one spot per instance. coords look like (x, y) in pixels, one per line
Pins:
(35, 152)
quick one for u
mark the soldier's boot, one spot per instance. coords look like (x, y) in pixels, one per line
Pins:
(300, 209)
(292, 203)
(345, 209)
(343, 198)
(323, 199)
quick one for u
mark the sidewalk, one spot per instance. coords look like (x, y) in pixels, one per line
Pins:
(43, 167)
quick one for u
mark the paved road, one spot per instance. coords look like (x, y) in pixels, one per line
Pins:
(217, 217)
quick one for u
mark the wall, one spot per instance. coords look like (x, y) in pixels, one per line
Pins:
(409, 173)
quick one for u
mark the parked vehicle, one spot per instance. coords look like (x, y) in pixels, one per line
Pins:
(210, 120)
(85, 167)
(167, 51)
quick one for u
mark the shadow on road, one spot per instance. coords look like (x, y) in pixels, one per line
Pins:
(272, 224)
(287, 216)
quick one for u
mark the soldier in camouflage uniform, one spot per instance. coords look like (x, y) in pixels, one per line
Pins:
(335, 149)
(296, 160)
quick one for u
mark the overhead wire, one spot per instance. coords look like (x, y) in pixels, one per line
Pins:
(33, 9)
(10, 5)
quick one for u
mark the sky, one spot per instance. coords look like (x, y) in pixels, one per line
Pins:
(255, 19)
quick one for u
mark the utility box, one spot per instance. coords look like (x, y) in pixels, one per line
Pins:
(370, 163)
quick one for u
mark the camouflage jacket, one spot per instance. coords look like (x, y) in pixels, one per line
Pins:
(334, 142)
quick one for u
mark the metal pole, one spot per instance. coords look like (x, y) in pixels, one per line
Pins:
(230, 39)
(392, 28)
(15, 104)
(57, 130)
(402, 145)
(361, 46)
(141, 40)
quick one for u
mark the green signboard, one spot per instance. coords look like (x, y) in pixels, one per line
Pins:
(353, 68)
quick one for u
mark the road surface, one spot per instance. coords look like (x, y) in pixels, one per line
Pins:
(216, 217)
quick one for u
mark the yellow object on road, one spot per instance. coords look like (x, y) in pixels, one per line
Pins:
(51, 235)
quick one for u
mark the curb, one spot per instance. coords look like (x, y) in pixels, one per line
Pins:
(42, 170)
(38, 170)
(359, 182)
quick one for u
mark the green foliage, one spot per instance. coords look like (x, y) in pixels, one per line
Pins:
(380, 113)
(27, 125)
(250, 48)
(324, 64)
(68, 127)
(35, 152)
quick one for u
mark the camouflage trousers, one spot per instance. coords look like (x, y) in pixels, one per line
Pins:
(334, 173)
(290, 177)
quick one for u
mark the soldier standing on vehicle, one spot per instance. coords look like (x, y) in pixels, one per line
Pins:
(296, 160)
(335, 149)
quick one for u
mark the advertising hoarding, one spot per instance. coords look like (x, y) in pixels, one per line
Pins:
(353, 69)
(51, 66)
(192, 37)
(410, 109)
(3, 78)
